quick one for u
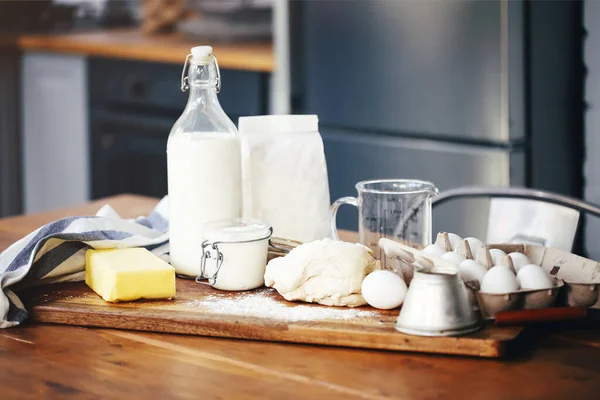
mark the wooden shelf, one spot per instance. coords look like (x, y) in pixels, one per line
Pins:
(166, 48)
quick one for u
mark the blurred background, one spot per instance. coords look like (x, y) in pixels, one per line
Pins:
(459, 92)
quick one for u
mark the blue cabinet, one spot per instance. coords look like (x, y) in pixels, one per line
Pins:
(141, 87)
(128, 154)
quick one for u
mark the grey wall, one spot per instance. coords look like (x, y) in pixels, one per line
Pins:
(592, 124)
(10, 155)
(54, 138)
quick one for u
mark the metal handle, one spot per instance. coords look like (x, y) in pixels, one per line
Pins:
(218, 73)
(517, 192)
(184, 79)
(206, 254)
(185, 82)
(333, 213)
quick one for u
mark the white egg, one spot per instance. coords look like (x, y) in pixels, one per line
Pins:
(500, 280)
(453, 257)
(434, 250)
(470, 270)
(497, 255)
(519, 260)
(454, 240)
(384, 289)
(475, 245)
(533, 276)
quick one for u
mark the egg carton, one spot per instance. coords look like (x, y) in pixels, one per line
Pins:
(488, 303)
(581, 276)
(492, 303)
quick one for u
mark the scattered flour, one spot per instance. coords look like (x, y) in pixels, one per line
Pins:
(261, 304)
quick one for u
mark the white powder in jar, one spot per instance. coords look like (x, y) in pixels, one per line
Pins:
(284, 175)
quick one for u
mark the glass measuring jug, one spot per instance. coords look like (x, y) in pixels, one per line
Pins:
(397, 209)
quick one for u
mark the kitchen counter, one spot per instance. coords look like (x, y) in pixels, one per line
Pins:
(54, 361)
(166, 48)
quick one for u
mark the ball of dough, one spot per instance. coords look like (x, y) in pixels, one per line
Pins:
(325, 271)
(384, 290)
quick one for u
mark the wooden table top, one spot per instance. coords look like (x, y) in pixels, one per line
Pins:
(73, 362)
(132, 44)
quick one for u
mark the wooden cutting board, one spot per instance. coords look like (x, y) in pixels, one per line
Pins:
(259, 315)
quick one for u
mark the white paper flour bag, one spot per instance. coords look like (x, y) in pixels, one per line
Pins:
(284, 175)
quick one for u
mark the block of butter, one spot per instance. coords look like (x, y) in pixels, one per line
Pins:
(128, 274)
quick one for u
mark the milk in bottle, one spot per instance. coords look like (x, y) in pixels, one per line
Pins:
(203, 163)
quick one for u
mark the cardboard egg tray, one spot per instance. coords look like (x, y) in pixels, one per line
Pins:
(581, 276)
(577, 279)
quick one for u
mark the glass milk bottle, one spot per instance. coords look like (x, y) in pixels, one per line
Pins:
(203, 163)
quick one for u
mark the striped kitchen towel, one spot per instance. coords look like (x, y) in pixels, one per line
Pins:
(56, 251)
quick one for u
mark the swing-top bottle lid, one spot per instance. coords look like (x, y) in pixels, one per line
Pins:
(201, 53)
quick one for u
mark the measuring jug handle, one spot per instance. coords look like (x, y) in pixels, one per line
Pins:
(333, 211)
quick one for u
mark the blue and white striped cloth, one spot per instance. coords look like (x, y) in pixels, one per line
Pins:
(56, 252)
